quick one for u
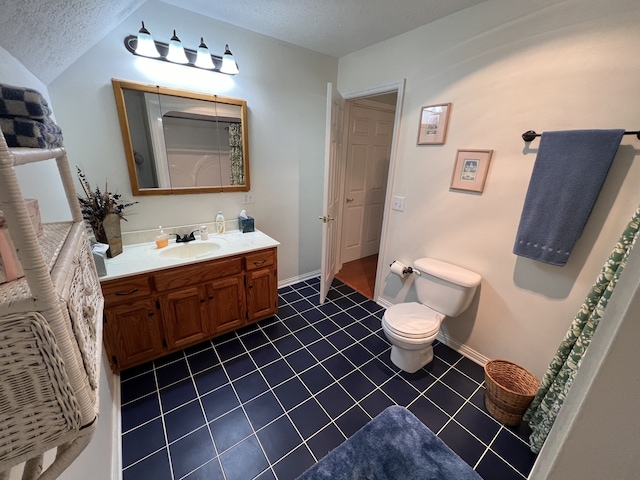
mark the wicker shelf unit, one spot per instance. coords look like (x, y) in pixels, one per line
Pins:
(50, 330)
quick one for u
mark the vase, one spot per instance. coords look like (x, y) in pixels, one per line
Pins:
(110, 234)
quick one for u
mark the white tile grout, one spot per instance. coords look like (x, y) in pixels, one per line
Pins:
(291, 330)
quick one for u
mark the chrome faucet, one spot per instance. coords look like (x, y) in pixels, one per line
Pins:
(189, 237)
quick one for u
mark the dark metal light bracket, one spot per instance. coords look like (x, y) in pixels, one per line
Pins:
(131, 42)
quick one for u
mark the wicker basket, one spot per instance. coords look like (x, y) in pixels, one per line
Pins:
(510, 389)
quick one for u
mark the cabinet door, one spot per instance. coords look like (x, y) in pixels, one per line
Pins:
(262, 293)
(226, 304)
(184, 317)
(132, 334)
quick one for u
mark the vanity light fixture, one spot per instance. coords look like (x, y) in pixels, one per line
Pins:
(145, 46)
(229, 64)
(176, 50)
(203, 57)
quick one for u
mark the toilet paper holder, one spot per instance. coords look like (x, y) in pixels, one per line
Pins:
(406, 269)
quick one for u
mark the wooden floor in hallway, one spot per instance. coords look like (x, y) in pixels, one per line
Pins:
(360, 275)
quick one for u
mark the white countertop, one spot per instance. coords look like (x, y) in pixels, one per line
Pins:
(145, 257)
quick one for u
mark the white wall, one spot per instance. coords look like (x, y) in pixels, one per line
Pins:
(507, 67)
(285, 90)
(35, 180)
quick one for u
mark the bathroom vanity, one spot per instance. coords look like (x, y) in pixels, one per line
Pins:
(158, 301)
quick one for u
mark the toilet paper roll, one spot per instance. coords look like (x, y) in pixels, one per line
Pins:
(399, 269)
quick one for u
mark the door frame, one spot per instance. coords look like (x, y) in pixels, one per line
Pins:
(349, 105)
(397, 87)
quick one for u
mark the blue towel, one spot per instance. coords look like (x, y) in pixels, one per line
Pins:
(570, 169)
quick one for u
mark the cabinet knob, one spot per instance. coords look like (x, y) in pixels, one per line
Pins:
(210, 297)
(150, 314)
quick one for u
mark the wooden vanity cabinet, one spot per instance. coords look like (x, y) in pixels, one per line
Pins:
(132, 333)
(226, 304)
(184, 317)
(152, 314)
(132, 328)
(262, 284)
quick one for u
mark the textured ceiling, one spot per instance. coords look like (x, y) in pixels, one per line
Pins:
(47, 36)
(332, 27)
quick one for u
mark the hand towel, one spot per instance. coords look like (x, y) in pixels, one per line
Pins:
(569, 171)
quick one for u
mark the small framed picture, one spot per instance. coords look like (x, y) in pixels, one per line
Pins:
(433, 124)
(470, 170)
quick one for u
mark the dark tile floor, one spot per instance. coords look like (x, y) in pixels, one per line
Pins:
(271, 399)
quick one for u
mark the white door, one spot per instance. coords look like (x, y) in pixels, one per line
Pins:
(367, 166)
(333, 152)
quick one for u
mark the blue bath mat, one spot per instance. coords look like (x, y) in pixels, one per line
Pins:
(393, 446)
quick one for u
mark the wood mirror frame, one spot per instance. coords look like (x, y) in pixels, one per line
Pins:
(148, 132)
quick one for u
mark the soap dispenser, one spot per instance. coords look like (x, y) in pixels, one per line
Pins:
(220, 222)
(162, 240)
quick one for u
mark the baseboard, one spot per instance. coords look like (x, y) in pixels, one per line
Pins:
(462, 349)
(384, 303)
(116, 448)
(298, 279)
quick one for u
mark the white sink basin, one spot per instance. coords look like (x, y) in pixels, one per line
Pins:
(189, 250)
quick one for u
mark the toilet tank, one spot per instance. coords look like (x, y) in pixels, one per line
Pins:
(443, 287)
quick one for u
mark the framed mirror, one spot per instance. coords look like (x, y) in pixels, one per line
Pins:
(179, 142)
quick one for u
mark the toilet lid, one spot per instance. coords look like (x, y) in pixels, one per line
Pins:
(412, 320)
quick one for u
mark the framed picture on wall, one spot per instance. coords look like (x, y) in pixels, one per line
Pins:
(433, 124)
(470, 170)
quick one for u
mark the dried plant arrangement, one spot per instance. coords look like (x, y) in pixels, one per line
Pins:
(96, 204)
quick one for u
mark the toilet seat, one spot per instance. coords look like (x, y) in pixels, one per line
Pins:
(413, 320)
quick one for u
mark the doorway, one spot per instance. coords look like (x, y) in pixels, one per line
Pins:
(368, 138)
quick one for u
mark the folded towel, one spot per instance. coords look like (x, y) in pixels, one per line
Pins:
(23, 102)
(568, 174)
(24, 132)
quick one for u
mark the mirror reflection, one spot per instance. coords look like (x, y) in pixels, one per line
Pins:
(182, 142)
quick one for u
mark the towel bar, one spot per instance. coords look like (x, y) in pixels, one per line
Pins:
(529, 135)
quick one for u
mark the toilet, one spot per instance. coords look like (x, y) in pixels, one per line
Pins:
(444, 290)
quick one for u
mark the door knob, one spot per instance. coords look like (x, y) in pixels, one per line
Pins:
(326, 218)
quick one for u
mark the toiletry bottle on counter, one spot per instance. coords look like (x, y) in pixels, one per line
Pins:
(220, 222)
(162, 240)
(204, 233)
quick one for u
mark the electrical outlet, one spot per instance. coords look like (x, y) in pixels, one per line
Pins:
(247, 197)
(398, 204)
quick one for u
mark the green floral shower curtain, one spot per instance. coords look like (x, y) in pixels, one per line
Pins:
(237, 162)
(563, 368)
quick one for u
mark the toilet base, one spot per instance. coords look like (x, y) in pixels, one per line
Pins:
(411, 360)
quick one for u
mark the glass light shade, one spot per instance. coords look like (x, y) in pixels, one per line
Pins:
(203, 57)
(176, 50)
(228, 62)
(145, 45)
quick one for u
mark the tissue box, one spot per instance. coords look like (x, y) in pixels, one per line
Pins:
(10, 266)
(246, 224)
(99, 251)
(34, 214)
